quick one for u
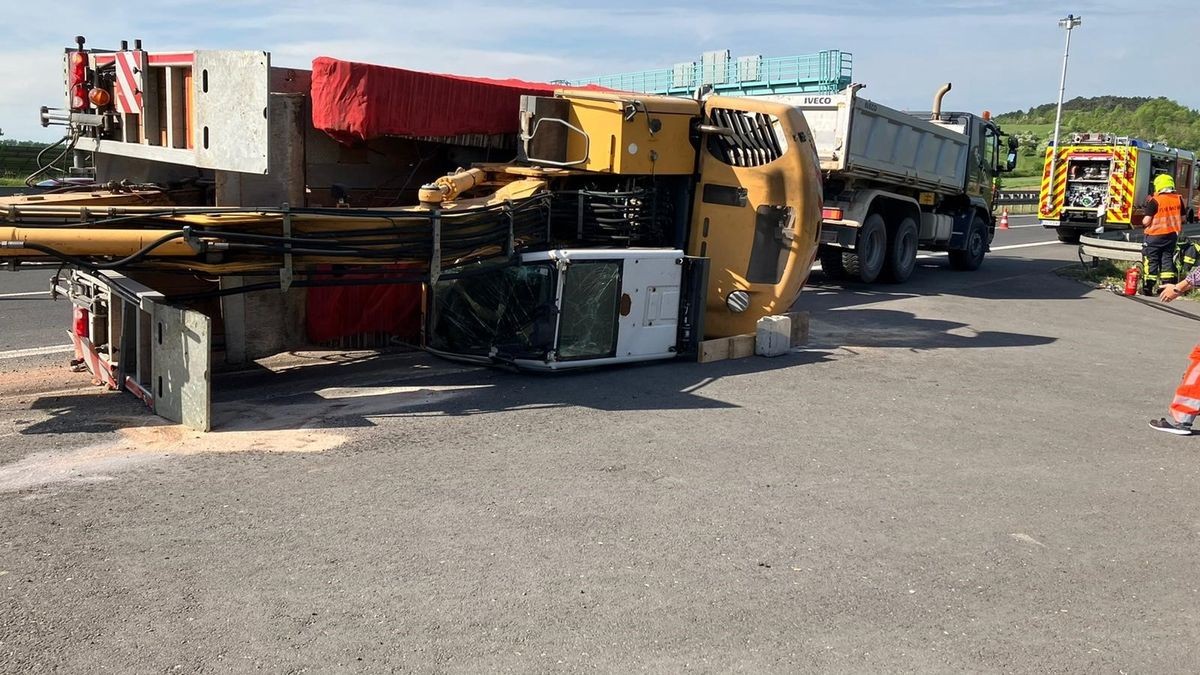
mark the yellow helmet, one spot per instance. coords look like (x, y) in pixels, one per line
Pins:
(1163, 182)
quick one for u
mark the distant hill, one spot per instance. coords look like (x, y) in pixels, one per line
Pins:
(1153, 119)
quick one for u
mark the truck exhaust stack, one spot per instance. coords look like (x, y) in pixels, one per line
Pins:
(937, 101)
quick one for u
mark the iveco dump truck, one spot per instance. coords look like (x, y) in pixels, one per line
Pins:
(630, 228)
(895, 182)
(1101, 181)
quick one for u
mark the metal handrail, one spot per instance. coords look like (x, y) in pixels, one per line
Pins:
(826, 71)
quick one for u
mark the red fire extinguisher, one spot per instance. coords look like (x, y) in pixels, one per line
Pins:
(1131, 280)
(80, 317)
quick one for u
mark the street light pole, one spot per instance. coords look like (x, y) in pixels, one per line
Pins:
(1069, 23)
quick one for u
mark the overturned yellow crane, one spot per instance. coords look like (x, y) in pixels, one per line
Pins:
(631, 228)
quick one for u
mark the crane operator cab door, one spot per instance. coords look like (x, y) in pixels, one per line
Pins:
(567, 309)
(757, 210)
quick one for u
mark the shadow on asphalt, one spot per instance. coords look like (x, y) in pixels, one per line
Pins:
(998, 279)
(886, 328)
(348, 395)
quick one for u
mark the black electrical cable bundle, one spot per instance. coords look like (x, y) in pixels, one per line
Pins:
(329, 280)
(463, 235)
(43, 168)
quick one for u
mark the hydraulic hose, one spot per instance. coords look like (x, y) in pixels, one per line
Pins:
(79, 262)
(43, 168)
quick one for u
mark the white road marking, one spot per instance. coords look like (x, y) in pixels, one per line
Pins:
(1038, 243)
(35, 351)
(940, 254)
(45, 294)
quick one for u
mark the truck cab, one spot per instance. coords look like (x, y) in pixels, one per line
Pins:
(989, 155)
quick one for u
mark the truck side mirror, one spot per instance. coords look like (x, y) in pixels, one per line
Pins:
(1012, 161)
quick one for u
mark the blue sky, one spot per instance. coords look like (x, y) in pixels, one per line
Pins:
(1000, 55)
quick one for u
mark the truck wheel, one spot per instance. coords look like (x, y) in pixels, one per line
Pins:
(902, 252)
(971, 256)
(831, 262)
(1068, 235)
(866, 262)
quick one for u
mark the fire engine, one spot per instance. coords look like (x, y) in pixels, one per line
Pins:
(1101, 182)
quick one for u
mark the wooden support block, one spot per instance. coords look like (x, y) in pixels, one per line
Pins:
(736, 347)
(800, 322)
(714, 350)
(741, 346)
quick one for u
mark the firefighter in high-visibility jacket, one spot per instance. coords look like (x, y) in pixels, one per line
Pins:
(1163, 221)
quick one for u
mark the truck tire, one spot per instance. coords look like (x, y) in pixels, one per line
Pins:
(971, 256)
(1068, 235)
(866, 262)
(831, 262)
(902, 252)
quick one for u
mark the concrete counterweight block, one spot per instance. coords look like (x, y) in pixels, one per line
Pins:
(774, 337)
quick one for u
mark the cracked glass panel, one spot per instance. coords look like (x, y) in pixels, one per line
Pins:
(511, 309)
(588, 329)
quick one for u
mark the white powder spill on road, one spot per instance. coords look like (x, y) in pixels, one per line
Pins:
(139, 445)
(243, 426)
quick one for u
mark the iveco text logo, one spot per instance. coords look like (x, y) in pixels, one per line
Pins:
(818, 100)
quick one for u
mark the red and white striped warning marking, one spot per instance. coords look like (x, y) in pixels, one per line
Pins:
(130, 81)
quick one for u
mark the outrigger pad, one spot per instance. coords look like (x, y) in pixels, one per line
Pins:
(182, 379)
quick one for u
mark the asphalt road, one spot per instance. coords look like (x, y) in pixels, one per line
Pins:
(955, 476)
(27, 314)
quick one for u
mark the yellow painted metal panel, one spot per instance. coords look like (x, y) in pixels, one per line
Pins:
(728, 232)
(632, 136)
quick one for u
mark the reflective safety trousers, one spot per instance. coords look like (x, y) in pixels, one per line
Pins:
(1186, 405)
(1158, 259)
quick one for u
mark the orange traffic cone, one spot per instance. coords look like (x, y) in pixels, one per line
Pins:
(1004, 219)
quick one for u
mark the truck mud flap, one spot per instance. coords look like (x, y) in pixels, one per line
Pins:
(958, 235)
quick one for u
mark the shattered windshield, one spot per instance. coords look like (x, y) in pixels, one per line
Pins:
(511, 309)
(589, 317)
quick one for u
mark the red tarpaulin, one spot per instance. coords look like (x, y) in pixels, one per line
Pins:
(359, 101)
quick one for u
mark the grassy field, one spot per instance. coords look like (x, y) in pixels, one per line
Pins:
(1021, 182)
(1028, 174)
(1042, 131)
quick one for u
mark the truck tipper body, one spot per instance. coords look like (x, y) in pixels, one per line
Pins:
(630, 228)
(895, 182)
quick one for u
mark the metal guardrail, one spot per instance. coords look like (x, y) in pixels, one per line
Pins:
(1123, 245)
(1016, 197)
